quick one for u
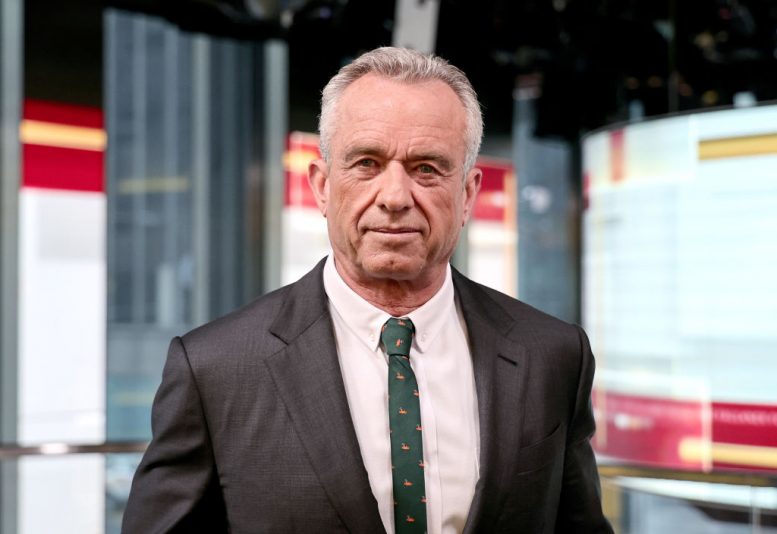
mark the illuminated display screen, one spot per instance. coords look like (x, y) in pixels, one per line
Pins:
(680, 289)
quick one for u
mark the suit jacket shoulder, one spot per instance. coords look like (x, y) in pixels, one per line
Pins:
(542, 334)
(262, 327)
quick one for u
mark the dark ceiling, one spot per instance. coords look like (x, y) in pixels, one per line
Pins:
(593, 58)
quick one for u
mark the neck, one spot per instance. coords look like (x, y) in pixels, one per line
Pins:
(396, 297)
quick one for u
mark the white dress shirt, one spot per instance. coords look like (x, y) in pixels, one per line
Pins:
(442, 363)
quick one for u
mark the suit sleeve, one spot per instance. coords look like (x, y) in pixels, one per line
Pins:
(175, 488)
(580, 506)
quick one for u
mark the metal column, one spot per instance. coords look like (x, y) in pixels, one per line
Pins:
(11, 42)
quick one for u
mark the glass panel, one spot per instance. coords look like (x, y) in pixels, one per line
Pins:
(150, 262)
(179, 110)
(71, 493)
(119, 470)
(651, 506)
(547, 216)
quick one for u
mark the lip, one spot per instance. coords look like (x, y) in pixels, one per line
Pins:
(394, 230)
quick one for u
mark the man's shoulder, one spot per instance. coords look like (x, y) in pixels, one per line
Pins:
(494, 303)
(544, 337)
(262, 323)
(256, 314)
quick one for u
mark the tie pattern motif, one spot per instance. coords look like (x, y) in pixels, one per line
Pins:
(407, 463)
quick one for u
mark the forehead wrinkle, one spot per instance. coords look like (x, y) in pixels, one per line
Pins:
(363, 149)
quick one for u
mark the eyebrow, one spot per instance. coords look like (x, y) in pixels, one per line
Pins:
(370, 150)
(365, 150)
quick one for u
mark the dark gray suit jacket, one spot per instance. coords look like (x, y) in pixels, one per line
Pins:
(252, 431)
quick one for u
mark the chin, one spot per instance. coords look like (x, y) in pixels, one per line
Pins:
(393, 268)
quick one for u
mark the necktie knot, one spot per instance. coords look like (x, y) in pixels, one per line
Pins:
(397, 336)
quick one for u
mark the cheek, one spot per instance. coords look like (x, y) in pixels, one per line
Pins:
(351, 202)
(446, 213)
(460, 209)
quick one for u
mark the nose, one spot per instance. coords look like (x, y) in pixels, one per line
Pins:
(394, 193)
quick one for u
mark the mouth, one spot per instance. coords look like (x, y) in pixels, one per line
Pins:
(390, 230)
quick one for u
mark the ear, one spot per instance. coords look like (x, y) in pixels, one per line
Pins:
(318, 174)
(471, 188)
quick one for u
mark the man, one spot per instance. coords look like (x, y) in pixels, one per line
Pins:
(382, 391)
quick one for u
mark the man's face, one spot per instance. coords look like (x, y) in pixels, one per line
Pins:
(394, 194)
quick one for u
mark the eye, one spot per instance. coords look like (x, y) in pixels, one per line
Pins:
(425, 168)
(366, 163)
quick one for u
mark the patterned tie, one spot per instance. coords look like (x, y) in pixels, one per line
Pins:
(407, 449)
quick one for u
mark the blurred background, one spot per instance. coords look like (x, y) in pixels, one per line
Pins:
(153, 160)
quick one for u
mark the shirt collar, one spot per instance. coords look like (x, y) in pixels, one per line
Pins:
(366, 321)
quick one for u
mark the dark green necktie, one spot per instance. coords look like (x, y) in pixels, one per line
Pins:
(407, 462)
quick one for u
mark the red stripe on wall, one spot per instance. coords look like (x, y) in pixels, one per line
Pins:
(491, 203)
(751, 424)
(70, 114)
(650, 430)
(62, 168)
(646, 430)
(301, 149)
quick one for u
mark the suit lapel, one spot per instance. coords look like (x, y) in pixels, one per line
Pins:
(501, 370)
(308, 378)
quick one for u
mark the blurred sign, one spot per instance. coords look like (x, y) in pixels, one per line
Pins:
(63, 146)
(685, 434)
(651, 430)
(679, 288)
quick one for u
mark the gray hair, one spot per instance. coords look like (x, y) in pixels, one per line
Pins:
(408, 66)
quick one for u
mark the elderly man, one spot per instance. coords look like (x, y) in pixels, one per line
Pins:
(383, 391)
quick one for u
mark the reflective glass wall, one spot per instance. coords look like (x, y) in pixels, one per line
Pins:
(184, 115)
(180, 115)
